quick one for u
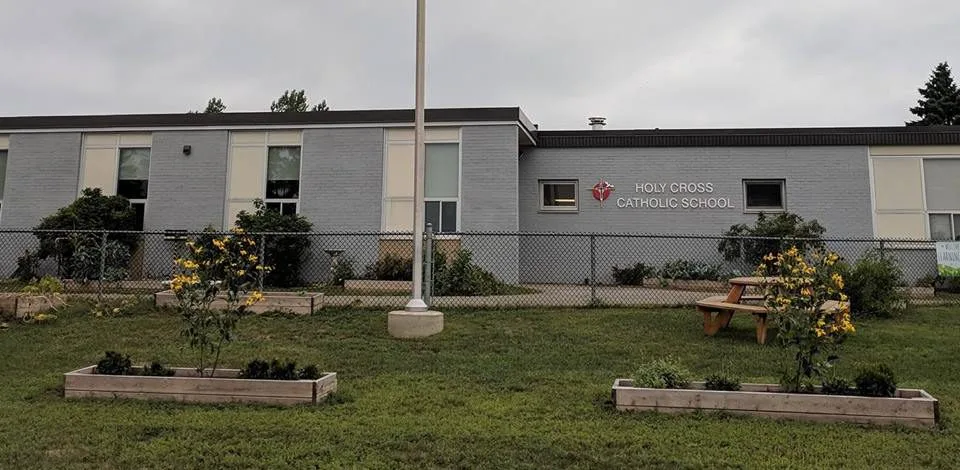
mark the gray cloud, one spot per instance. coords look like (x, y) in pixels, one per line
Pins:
(642, 64)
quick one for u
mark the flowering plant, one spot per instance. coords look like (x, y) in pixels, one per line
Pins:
(216, 267)
(811, 311)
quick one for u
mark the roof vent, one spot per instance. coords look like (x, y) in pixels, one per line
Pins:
(597, 123)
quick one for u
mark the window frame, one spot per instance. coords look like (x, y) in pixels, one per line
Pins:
(755, 210)
(3, 176)
(441, 200)
(558, 209)
(266, 178)
(135, 201)
(954, 226)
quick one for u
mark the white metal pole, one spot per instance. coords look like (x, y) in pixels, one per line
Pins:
(416, 304)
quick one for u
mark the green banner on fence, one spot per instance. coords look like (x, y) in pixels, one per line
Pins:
(948, 259)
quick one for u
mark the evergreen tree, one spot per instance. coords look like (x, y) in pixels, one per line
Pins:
(215, 106)
(940, 100)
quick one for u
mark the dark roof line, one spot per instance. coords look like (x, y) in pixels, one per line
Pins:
(386, 116)
(759, 137)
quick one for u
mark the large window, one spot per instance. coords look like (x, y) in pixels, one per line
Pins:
(3, 174)
(558, 195)
(764, 195)
(442, 186)
(941, 178)
(283, 179)
(133, 179)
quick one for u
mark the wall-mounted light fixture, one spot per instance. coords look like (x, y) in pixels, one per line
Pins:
(187, 150)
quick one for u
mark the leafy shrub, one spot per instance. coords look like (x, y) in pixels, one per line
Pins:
(779, 226)
(342, 271)
(721, 382)
(91, 211)
(632, 276)
(692, 271)
(662, 373)
(278, 370)
(50, 289)
(84, 265)
(876, 381)
(872, 284)
(285, 253)
(28, 266)
(390, 267)
(155, 369)
(462, 277)
(836, 386)
(114, 363)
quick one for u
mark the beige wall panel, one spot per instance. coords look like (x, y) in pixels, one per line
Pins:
(136, 140)
(400, 170)
(433, 134)
(897, 184)
(248, 138)
(100, 140)
(399, 215)
(234, 208)
(283, 138)
(898, 150)
(100, 170)
(4, 142)
(246, 172)
(446, 134)
(910, 226)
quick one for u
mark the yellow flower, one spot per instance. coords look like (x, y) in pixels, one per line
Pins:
(254, 297)
(219, 244)
(253, 258)
(241, 272)
(243, 252)
(837, 280)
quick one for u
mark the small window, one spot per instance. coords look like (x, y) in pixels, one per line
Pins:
(442, 216)
(558, 196)
(945, 227)
(3, 174)
(764, 195)
(285, 208)
(283, 173)
(134, 173)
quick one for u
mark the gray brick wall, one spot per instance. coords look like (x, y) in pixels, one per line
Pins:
(489, 171)
(186, 192)
(341, 191)
(42, 176)
(830, 184)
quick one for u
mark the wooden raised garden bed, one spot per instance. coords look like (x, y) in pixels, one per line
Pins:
(187, 386)
(910, 407)
(18, 306)
(283, 302)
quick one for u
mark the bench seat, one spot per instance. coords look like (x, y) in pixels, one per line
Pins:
(717, 313)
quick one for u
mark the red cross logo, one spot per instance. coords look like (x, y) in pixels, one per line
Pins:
(601, 191)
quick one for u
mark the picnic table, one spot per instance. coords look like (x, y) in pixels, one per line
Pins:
(718, 310)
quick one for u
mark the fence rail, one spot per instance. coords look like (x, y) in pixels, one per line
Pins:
(474, 269)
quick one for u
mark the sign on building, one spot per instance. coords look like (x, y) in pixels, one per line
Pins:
(948, 259)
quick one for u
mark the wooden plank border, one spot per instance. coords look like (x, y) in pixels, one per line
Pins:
(911, 407)
(186, 386)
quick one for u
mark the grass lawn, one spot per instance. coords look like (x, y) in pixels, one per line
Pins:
(499, 389)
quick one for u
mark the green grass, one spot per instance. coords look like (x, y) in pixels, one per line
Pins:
(501, 389)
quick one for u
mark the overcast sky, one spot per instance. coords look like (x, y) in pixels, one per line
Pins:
(707, 63)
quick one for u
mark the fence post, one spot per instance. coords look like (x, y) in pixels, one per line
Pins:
(263, 261)
(103, 266)
(881, 248)
(593, 269)
(428, 266)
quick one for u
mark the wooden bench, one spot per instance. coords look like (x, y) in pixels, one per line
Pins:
(717, 312)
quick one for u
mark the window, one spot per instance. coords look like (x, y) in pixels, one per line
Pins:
(940, 176)
(133, 178)
(558, 196)
(3, 174)
(283, 179)
(442, 186)
(763, 195)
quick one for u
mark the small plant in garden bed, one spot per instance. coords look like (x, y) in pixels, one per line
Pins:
(721, 382)
(836, 386)
(662, 373)
(114, 363)
(876, 381)
(278, 370)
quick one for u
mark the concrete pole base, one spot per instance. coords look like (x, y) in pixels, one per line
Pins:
(404, 324)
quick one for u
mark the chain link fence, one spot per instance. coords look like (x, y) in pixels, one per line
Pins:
(466, 270)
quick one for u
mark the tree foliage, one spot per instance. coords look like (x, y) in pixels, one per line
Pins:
(766, 237)
(940, 100)
(215, 106)
(295, 101)
(284, 253)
